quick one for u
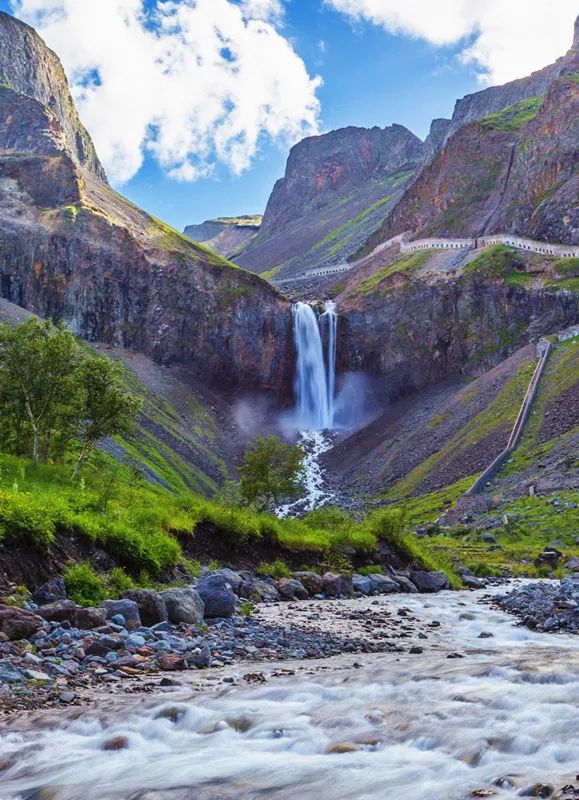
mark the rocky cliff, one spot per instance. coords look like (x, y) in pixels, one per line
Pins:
(226, 236)
(337, 188)
(507, 162)
(73, 249)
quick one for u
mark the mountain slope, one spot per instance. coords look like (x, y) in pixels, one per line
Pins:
(337, 189)
(73, 249)
(226, 236)
(513, 170)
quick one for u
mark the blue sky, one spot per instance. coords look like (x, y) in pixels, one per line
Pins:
(371, 76)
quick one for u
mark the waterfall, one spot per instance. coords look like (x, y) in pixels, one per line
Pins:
(315, 380)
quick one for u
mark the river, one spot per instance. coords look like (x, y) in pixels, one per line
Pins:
(401, 726)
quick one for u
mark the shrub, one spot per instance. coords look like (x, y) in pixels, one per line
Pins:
(246, 609)
(372, 569)
(274, 569)
(119, 582)
(21, 520)
(85, 586)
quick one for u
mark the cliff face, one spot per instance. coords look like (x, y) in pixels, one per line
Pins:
(29, 68)
(337, 188)
(421, 331)
(225, 236)
(514, 171)
(73, 249)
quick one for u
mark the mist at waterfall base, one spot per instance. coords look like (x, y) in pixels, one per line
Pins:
(324, 401)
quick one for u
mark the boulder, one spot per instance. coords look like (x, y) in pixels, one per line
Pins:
(471, 582)
(18, 623)
(311, 581)
(382, 584)
(291, 589)
(183, 605)
(264, 591)
(430, 581)
(233, 578)
(50, 592)
(362, 584)
(405, 584)
(217, 596)
(169, 662)
(549, 557)
(88, 618)
(334, 584)
(59, 611)
(572, 564)
(152, 607)
(126, 608)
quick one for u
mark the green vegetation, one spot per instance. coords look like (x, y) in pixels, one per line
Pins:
(145, 527)
(270, 273)
(496, 261)
(532, 524)
(338, 232)
(53, 395)
(271, 471)
(514, 117)
(244, 220)
(406, 264)
(85, 586)
(499, 414)
(274, 569)
(566, 267)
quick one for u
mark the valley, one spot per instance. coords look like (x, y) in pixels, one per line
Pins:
(327, 524)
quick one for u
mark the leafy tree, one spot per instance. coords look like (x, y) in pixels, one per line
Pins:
(37, 375)
(271, 471)
(106, 409)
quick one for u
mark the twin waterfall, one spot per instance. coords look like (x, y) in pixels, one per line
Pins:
(315, 382)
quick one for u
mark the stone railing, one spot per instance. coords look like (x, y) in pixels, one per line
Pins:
(519, 242)
(544, 348)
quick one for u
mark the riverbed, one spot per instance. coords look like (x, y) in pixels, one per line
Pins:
(481, 704)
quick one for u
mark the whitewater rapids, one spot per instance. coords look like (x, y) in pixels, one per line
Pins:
(418, 727)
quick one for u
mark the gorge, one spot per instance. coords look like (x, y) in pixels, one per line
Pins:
(173, 624)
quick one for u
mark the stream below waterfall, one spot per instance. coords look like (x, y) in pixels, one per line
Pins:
(429, 726)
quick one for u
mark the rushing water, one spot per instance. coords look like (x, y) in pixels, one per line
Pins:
(315, 381)
(417, 727)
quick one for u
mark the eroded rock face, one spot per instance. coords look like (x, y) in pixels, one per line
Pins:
(30, 68)
(465, 324)
(500, 176)
(72, 249)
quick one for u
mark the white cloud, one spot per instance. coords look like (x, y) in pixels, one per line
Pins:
(511, 37)
(194, 82)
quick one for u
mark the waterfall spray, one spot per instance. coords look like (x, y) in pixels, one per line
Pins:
(315, 381)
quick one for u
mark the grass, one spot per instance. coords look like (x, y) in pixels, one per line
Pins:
(532, 524)
(514, 117)
(406, 264)
(500, 413)
(143, 525)
(270, 273)
(495, 262)
(337, 233)
(244, 220)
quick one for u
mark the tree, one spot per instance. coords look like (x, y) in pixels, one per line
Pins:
(106, 409)
(37, 374)
(271, 471)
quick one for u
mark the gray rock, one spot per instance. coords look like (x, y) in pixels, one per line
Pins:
(264, 591)
(362, 584)
(18, 623)
(471, 582)
(382, 584)
(88, 618)
(217, 596)
(311, 581)
(49, 592)
(405, 584)
(9, 673)
(59, 611)
(183, 605)
(233, 578)
(291, 588)
(127, 608)
(152, 607)
(334, 584)
(429, 581)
